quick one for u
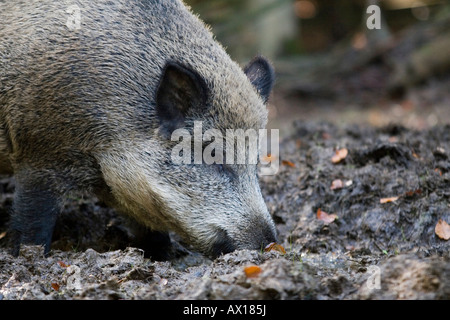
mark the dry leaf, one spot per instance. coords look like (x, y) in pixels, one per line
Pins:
(337, 184)
(412, 193)
(442, 230)
(393, 139)
(407, 105)
(273, 246)
(325, 217)
(340, 155)
(268, 158)
(287, 163)
(163, 282)
(252, 271)
(349, 247)
(55, 286)
(390, 199)
(63, 265)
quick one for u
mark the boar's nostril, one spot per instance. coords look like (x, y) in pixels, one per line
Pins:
(223, 244)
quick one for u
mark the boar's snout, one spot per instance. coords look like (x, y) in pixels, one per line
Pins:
(254, 239)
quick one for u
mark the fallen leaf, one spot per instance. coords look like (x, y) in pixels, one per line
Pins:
(412, 193)
(63, 265)
(340, 155)
(390, 199)
(273, 246)
(287, 163)
(325, 217)
(268, 158)
(407, 105)
(442, 230)
(252, 271)
(393, 139)
(55, 286)
(337, 184)
(163, 282)
(349, 247)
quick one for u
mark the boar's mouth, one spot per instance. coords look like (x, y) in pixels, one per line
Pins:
(223, 244)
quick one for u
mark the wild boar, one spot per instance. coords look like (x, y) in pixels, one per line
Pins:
(90, 92)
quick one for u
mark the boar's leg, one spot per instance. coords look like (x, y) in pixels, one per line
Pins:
(157, 245)
(35, 209)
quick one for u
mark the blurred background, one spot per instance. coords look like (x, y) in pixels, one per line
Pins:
(330, 66)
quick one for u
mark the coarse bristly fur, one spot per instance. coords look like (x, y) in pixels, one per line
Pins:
(90, 109)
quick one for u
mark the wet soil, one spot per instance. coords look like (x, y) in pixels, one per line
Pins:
(372, 250)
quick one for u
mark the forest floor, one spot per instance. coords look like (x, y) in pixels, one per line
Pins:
(363, 227)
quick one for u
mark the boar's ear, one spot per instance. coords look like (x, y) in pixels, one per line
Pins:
(260, 73)
(181, 92)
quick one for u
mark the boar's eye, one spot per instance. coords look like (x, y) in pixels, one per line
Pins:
(219, 165)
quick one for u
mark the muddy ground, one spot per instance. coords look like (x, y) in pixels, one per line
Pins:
(372, 250)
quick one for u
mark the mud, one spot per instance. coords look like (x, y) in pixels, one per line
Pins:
(372, 250)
